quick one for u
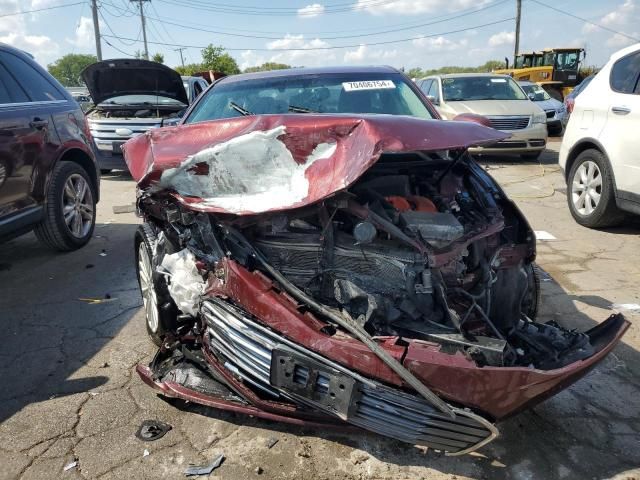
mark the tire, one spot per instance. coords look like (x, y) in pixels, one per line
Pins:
(70, 209)
(105, 171)
(597, 208)
(160, 310)
(531, 300)
(531, 156)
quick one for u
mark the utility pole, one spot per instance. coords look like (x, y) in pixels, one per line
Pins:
(181, 57)
(96, 29)
(517, 42)
(144, 30)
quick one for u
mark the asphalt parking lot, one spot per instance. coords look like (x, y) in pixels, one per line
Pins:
(73, 330)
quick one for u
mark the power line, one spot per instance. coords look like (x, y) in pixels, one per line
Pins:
(117, 49)
(414, 23)
(342, 37)
(261, 11)
(586, 21)
(332, 47)
(113, 33)
(22, 12)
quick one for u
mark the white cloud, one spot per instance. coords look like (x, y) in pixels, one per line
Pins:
(310, 11)
(502, 38)
(84, 36)
(619, 41)
(364, 54)
(14, 31)
(620, 17)
(415, 7)
(439, 44)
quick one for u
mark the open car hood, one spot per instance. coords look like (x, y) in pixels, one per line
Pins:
(255, 164)
(113, 78)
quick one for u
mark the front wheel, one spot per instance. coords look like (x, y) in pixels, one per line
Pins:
(160, 310)
(590, 192)
(69, 208)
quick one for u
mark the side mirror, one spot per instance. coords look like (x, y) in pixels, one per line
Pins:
(532, 96)
(433, 99)
(171, 122)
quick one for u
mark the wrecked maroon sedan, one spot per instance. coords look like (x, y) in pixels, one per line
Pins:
(323, 269)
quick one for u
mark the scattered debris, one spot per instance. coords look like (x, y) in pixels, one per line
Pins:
(130, 208)
(93, 394)
(98, 300)
(69, 466)
(271, 441)
(544, 236)
(259, 470)
(103, 253)
(151, 430)
(105, 365)
(145, 453)
(89, 265)
(204, 469)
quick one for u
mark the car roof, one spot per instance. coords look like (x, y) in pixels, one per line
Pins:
(624, 52)
(526, 82)
(471, 74)
(14, 50)
(291, 72)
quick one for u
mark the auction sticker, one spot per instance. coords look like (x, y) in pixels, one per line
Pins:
(367, 85)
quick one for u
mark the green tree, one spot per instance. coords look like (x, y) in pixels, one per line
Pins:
(266, 67)
(215, 58)
(189, 69)
(158, 57)
(67, 69)
(415, 73)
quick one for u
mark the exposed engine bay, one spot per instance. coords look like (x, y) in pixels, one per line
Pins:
(321, 268)
(103, 111)
(419, 250)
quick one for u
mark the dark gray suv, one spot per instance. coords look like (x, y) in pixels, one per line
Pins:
(49, 178)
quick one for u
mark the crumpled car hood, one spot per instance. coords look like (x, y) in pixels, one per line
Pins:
(256, 164)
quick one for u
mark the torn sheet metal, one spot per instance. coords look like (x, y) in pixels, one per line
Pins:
(256, 164)
(186, 285)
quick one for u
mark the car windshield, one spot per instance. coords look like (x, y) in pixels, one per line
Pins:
(141, 100)
(535, 92)
(324, 93)
(481, 88)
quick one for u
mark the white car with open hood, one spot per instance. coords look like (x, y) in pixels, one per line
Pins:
(497, 97)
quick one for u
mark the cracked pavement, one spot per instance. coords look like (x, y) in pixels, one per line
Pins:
(69, 392)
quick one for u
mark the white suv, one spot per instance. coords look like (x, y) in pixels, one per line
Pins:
(600, 152)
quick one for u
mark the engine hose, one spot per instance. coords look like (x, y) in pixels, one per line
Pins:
(345, 321)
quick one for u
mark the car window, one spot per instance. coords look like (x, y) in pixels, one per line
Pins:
(625, 73)
(197, 89)
(10, 90)
(386, 93)
(424, 86)
(481, 88)
(434, 91)
(36, 85)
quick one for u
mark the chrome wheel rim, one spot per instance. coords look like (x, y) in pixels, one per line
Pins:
(77, 206)
(3, 173)
(586, 188)
(149, 298)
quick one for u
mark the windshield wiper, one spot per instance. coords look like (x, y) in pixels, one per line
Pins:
(239, 109)
(293, 108)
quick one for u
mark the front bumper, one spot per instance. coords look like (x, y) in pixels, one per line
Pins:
(110, 161)
(528, 140)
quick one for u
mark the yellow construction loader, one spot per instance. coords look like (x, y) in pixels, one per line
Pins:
(557, 70)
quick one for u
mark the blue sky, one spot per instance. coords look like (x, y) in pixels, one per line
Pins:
(480, 34)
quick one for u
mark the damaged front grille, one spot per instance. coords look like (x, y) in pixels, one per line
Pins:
(283, 369)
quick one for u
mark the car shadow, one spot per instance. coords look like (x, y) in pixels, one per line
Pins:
(57, 313)
(562, 437)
